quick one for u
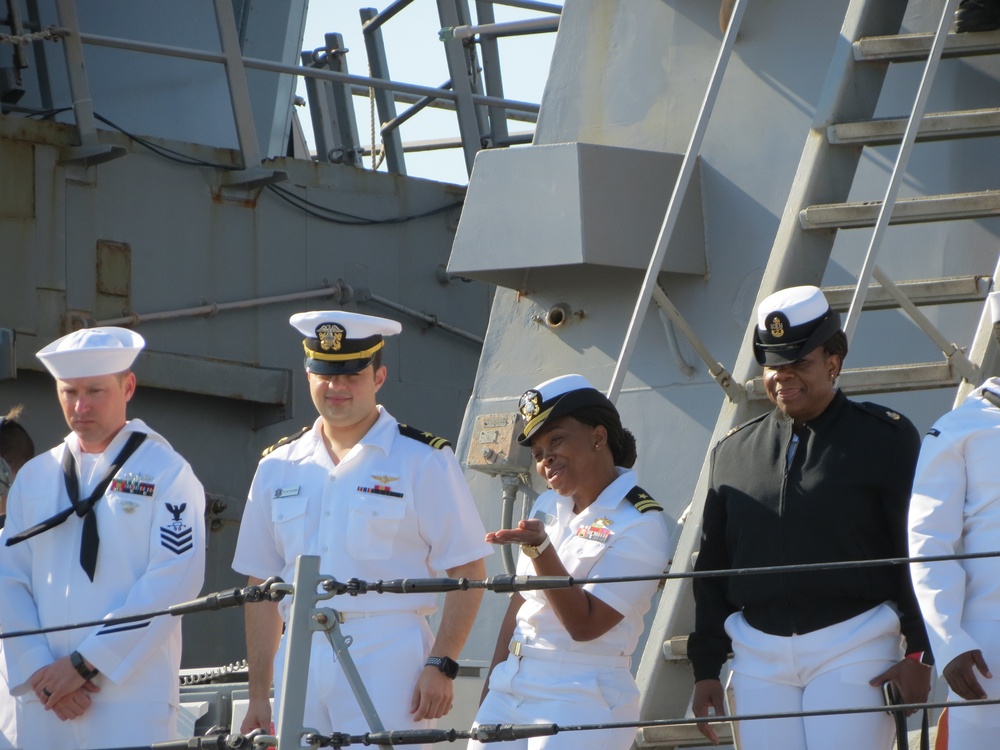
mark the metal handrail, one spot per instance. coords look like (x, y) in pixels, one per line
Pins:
(899, 168)
(365, 82)
(236, 80)
(676, 199)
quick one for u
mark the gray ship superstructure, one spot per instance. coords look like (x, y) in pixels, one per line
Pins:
(676, 176)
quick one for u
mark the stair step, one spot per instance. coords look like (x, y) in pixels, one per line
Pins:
(680, 735)
(907, 210)
(882, 379)
(943, 291)
(937, 126)
(912, 47)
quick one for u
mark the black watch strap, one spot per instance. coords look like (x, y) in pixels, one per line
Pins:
(447, 665)
(76, 659)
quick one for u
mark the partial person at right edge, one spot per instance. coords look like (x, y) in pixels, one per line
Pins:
(819, 479)
(562, 655)
(956, 508)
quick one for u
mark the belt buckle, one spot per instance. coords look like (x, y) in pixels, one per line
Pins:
(515, 648)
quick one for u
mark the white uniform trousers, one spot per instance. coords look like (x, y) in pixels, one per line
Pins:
(8, 709)
(978, 726)
(529, 690)
(106, 724)
(389, 651)
(829, 668)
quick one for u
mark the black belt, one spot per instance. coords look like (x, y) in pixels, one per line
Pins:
(90, 541)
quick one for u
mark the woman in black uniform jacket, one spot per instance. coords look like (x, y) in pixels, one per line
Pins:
(819, 479)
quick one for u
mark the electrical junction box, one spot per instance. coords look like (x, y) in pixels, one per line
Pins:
(493, 448)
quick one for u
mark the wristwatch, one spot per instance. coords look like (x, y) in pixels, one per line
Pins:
(533, 551)
(76, 659)
(447, 665)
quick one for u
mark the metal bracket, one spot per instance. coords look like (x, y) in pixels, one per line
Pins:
(716, 369)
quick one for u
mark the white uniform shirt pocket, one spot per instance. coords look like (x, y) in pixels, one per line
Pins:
(582, 555)
(372, 526)
(288, 514)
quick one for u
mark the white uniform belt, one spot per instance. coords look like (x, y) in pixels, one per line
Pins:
(521, 648)
(344, 616)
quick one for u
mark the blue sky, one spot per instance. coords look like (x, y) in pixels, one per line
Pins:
(416, 56)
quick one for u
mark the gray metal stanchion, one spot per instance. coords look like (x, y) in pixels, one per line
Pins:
(304, 620)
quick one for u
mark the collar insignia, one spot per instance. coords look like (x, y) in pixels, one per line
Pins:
(530, 404)
(892, 415)
(331, 336)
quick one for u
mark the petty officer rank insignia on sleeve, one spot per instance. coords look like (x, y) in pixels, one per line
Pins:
(176, 536)
(424, 437)
(641, 500)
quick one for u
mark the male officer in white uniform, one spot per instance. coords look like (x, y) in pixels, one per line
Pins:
(108, 523)
(375, 499)
(956, 508)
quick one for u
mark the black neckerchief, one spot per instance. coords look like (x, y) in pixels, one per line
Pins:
(90, 540)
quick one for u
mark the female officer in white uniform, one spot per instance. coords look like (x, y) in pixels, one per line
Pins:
(563, 655)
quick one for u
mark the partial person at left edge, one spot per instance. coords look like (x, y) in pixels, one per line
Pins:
(16, 449)
(108, 523)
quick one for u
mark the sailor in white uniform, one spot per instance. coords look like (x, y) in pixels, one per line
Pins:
(106, 524)
(375, 499)
(956, 508)
(563, 655)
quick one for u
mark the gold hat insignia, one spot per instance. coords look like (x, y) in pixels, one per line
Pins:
(331, 336)
(777, 328)
(530, 404)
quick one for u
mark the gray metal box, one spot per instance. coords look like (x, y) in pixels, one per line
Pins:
(519, 213)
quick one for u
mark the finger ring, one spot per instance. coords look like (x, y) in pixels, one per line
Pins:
(46, 692)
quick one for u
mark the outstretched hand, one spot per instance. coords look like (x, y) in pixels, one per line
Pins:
(531, 531)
